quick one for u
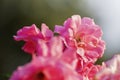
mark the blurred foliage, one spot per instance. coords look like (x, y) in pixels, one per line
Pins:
(14, 14)
(4, 76)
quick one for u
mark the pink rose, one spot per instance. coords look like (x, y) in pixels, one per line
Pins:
(44, 68)
(83, 35)
(55, 48)
(71, 55)
(111, 70)
(88, 70)
(31, 35)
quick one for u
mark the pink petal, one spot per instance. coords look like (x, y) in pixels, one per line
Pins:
(69, 56)
(29, 47)
(27, 33)
(76, 22)
(87, 21)
(59, 29)
(56, 46)
(46, 32)
(111, 70)
(41, 48)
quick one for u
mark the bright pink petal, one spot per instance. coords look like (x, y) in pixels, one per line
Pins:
(87, 21)
(55, 46)
(41, 48)
(59, 29)
(69, 56)
(27, 33)
(67, 23)
(46, 32)
(29, 47)
(52, 48)
(76, 22)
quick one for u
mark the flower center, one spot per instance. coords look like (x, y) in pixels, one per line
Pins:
(40, 76)
(78, 40)
(80, 43)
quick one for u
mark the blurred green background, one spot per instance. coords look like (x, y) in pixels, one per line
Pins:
(14, 14)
